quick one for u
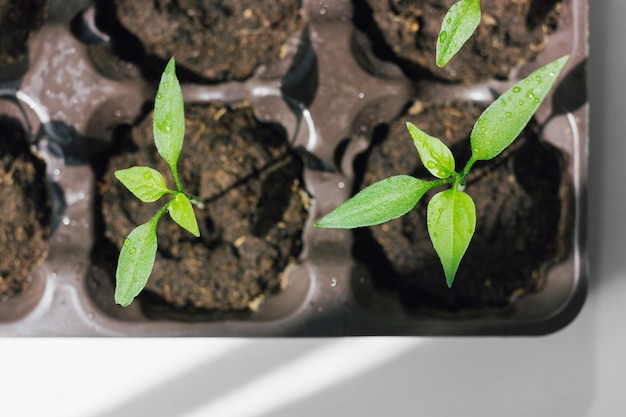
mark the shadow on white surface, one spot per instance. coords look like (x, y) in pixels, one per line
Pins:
(381, 376)
(211, 379)
(607, 143)
(464, 378)
(262, 376)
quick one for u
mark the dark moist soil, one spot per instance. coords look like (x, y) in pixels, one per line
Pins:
(25, 220)
(518, 226)
(250, 230)
(219, 40)
(18, 19)
(510, 33)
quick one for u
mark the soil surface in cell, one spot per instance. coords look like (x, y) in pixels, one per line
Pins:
(519, 205)
(250, 229)
(18, 19)
(509, 34)
(216, 40)
(25, 220)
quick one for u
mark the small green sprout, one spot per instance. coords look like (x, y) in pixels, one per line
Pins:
(451, 214)
(457, 27)
(138, 252)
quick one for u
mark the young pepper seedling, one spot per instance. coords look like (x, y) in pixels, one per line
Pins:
(451, 214)
(138, 252)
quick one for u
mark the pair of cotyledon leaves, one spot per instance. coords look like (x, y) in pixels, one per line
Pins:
(451, 214)
(139, 249)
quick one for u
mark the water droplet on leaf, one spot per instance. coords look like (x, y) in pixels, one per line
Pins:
(132, 251)
(443, 36)
(126, 242)
(516, 89)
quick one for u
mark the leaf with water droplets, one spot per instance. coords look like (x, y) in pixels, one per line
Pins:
(169, 117)
(451, 219)
(505, 118)
(457, 27)
(378, 203)
(145, 183)
(435, 155)
(182, 213)
(135, 262)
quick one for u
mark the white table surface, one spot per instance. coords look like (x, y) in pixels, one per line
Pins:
(579, 371)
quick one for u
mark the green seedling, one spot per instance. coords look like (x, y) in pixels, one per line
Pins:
(457, 27)
(451, 214)
(138, 252)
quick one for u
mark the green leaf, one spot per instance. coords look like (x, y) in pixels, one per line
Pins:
(457, 27)
(451, 218)
(378, 203)
(505, 118)
(136, 261)
(169, 117)
(145, 183)
(182, 213)
(435, 155)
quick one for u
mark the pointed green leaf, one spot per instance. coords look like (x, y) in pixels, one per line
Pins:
(182, 213)
(378, 203)
(135, 262)
(435, 155)
(458, 26)
(145, 183)
(506, 117)
(451, 218)
(169, 117)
